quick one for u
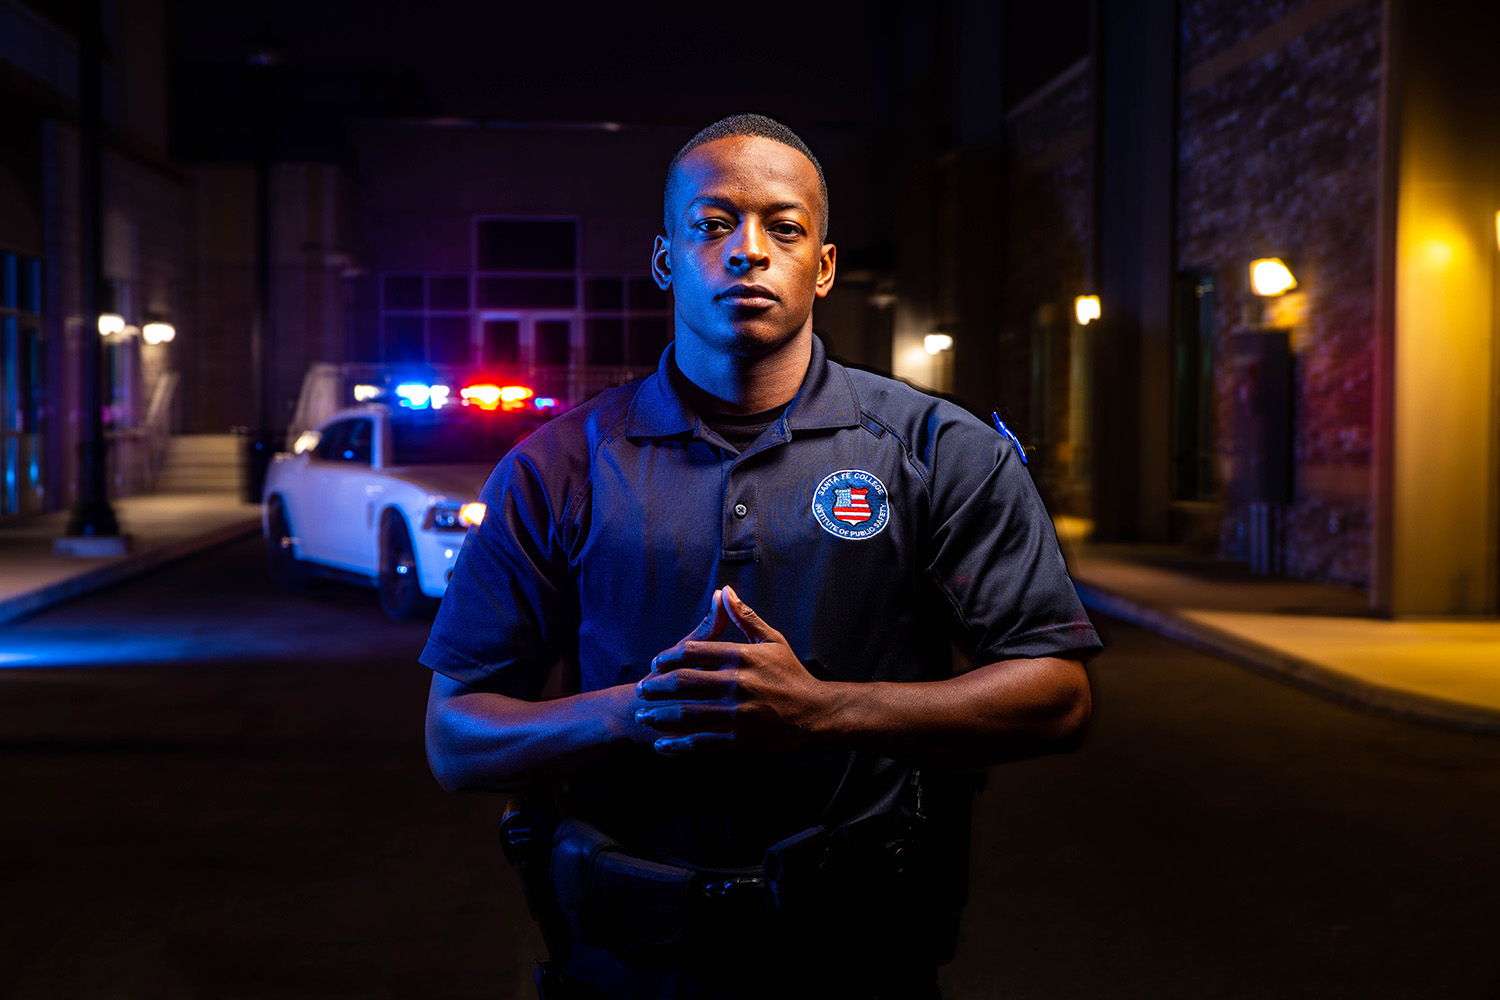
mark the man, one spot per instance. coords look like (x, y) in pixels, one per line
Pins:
(757, 562)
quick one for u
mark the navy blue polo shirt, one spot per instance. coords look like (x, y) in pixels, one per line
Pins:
(872, 524)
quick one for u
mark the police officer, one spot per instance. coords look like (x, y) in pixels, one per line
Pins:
(753, 566)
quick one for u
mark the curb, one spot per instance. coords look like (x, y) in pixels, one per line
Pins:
(113, 572)
(1301, 673)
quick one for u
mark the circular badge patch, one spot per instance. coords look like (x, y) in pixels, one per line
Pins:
(852, 504)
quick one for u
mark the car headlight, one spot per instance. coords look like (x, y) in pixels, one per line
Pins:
(453, 516)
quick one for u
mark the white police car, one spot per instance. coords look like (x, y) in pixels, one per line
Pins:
(382, 493)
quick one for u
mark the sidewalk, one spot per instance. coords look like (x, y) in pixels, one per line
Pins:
(162, 527)
(1322, 638)
(1318, 637)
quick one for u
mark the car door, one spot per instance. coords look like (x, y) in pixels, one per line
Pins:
(346, 478)
(306, 498)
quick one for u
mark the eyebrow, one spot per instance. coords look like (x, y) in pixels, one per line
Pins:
(724, 203)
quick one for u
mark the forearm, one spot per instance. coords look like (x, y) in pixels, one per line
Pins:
(478, 739)
(1002, 711)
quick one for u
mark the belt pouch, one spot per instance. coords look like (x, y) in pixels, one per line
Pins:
(634, 907)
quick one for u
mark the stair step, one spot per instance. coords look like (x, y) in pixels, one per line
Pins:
(202, 463)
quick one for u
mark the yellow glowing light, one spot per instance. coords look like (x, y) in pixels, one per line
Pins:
(471, 513)
(158, 333)
(1438, 253)
(485, 397)
(513, 397)
(306, 441)
(1086, 308)
(111, 323)
(1497, 228)
(935, 343)
(1271, 276)
(365, 393)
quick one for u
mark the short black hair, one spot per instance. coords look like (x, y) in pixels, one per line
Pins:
(746, 125)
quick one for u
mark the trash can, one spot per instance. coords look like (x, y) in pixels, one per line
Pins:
(260, 446)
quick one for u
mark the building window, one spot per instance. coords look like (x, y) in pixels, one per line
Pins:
(604, 340)
(448, 292)
(403, 291)
(23, 384)
(527, 310)
(404, 339)
(527, 293)
(501, 343)
(1193, 388)
(448, 340)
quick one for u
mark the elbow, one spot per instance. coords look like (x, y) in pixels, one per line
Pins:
(438, 764)
(1073, 709)
(442, 759)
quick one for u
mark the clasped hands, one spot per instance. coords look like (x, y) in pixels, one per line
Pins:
(704, 694)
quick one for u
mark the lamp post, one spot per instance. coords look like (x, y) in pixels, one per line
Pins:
(263, 60)
(91, 528)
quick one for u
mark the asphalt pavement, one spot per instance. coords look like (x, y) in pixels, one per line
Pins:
(1318, 637)
(219, 791)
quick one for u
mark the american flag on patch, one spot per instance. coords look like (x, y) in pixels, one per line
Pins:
(850, 505)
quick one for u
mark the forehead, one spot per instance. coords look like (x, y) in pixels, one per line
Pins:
(747, 166)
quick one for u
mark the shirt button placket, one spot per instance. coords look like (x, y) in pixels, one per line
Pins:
(739, 526)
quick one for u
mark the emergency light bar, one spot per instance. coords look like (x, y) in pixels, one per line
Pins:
(487, 396)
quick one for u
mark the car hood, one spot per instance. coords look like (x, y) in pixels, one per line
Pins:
(460, 482)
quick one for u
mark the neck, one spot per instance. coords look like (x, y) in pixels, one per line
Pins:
(732, 383)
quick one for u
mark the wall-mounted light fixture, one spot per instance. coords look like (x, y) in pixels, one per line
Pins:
(1270, 276)
(936, 343)
(1086, 309)
(158, 333)
(111, 324)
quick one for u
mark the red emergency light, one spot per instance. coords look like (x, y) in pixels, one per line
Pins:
(488, 396)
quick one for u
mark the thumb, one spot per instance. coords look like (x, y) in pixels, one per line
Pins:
(713, 624)
(750, 623)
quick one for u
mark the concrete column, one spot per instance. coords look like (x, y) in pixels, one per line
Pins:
(1444, 449)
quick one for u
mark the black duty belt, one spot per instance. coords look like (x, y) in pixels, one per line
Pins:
(845, 889)
(650, 908)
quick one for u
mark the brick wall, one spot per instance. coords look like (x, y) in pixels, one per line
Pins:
(1278, 156)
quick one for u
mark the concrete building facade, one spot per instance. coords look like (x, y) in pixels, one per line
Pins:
(145, 209)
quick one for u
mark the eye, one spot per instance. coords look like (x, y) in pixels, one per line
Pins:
(786, 230)
(712, 226)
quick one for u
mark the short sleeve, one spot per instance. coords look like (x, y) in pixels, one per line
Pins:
(993, 551)
(508, 612)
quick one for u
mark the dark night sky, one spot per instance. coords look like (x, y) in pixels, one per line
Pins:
(525, 62)
(682, 63)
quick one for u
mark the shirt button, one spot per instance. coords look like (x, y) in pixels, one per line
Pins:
(740, 510)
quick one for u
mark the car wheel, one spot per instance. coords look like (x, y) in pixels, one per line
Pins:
(401, 594)
(286, 571)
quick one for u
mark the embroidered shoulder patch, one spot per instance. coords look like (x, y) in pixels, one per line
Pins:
(851, 504)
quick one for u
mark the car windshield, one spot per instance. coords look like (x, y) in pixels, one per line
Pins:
(455, 437)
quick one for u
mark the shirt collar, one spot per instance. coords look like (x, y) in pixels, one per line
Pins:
(825, 400)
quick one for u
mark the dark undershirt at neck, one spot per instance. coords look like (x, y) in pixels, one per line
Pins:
(741, 429)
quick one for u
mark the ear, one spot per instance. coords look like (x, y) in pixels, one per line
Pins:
(661, 263)
(826, 267)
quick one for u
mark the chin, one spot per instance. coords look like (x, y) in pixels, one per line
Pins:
(752, 342)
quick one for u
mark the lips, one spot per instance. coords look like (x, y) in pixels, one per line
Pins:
(748, 296)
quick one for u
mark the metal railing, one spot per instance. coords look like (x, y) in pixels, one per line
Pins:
(137, 454)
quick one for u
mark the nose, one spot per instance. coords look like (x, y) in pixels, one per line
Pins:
(749, 250)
